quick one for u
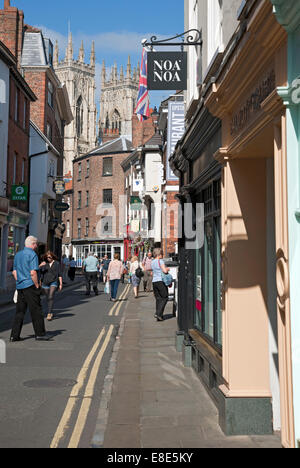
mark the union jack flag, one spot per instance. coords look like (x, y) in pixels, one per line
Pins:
(142, 109)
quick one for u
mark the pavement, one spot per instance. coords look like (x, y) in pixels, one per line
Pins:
(150, 400)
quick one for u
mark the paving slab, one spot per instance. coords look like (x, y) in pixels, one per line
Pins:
(155, 401)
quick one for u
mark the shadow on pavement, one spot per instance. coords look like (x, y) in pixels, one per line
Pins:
(75, 297)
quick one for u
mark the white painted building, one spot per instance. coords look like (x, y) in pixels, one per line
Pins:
(43, 170)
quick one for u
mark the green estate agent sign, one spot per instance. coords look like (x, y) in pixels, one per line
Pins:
(19, 192)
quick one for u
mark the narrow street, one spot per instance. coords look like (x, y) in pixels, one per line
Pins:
(50, 391)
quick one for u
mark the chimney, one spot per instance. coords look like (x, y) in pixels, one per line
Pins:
(11, 29)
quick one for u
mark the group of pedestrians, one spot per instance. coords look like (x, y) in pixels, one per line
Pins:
(68, 266)
(33, 279)
(151, 272)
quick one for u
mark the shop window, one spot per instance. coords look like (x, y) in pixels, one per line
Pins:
(208, 314)
(11, 248)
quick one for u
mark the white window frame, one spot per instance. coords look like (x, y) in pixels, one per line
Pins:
(214, 29)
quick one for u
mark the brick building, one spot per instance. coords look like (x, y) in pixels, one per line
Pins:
(98, 216)
(50, 112)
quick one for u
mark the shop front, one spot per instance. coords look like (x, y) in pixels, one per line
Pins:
(4, 208)
(288, 15)
(256, 395)
(17, 223)
(199, 333)
(97, 248)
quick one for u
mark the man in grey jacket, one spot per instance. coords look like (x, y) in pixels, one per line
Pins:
(90, 267)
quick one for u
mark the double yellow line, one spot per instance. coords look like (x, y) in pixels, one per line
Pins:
(75, 396)
(115, 310)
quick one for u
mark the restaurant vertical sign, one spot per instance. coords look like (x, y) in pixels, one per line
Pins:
(176, 129)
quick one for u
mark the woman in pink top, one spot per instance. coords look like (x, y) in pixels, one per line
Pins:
(114, 275)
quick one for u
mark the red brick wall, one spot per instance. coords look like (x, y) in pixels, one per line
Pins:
(11, 29)
(18, 140)
(41, 112)
(171, 220)
(141, 131)
(95, 184)
(37, 82)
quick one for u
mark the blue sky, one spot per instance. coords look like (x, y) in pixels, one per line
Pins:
(116, 26)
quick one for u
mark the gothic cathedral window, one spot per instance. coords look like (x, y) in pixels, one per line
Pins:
(79, 117)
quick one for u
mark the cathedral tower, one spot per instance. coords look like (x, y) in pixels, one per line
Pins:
(79, 78)
(119, 93)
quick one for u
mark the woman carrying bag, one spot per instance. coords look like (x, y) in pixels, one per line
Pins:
(51, 280)
(159, 287)
(114, 274)
(136, 274)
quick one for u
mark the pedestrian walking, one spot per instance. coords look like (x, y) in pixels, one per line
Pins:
(25, 272)
(114, 274)
(51, 280)
(136, 273)
(65, 262)
(72, 269)
(105, 264)
(159, 288)
(147, 279)
(90, 268)
(100, 270)
(124, 272)
(128, 266)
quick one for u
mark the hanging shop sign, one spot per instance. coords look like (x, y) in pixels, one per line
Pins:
(61, 206)
(167, 70)
(176, 129)
(19, 192)
(138, 185)
(135, 203)
(59, 187)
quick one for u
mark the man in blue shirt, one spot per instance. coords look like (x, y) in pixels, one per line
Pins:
(26, 267)
(90, 267)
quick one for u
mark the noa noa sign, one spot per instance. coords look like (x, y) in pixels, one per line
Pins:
(167, 70)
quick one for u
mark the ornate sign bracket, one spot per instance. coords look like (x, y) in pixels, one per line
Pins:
(191, 40)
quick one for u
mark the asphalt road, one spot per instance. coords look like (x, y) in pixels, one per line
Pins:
(50, 391)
